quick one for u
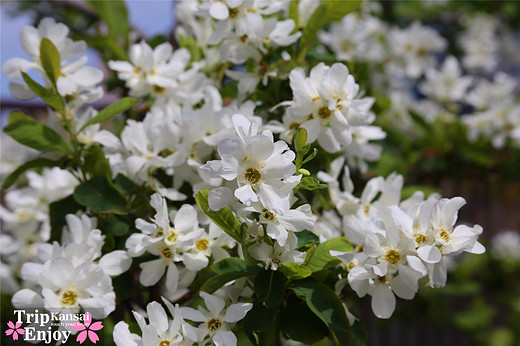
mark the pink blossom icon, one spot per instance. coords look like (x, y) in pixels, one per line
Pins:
(87, 329)
(14, 330)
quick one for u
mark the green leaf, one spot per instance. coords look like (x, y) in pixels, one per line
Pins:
(111, 111)
(310, 157)
(321, 257)
(101, 196)
(33, 134)
(359, 334)
(299, 323)
(124, 184)
(269, 287)
(114, 13)
(192, 45)
(300, 138)
(293, 13)
(96, 163)
(327, 306)
(36, 163)
(224, 218)
(57, 212)
(115, 227)
(258, 320)
(50, 97)
(218, 274)
(310, 183)
(294, 271)
(339, 9)
(306, 237)
(419, 120)
(17, 116)
(50, 58)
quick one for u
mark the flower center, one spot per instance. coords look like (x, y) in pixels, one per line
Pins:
(392, 256)
(268, 215)
(381, 279)
(158, 89)
(68, 298)
(202, 244)
(214, 324)
(444, 235)
(167, 253)
(252, 175)
(324, 112)
(419, 238)
(172, 236)
(164, 343)
(233, 12)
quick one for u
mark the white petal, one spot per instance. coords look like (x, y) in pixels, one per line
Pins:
(172, 277)
(27, 298)
(186, 218)
(157, 316)
(87, 76)
(429, 253)
(151, 272)
(215, 304)
(192, 315)
(383, 301)
(246, 194)
(236, 312)
(327, 140)
(122, 335)
(224, 338)
(12, 67)
(120, 66)
(219, 11)
(66, 86)
(115, 262)
(21, 91)
(219, 198)
(195, 262)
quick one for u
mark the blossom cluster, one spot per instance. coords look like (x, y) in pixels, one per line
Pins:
(228, 191)
(467, 86)
(397, 242)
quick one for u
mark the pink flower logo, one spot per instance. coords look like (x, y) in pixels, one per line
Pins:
(87, 329)
(14, 330)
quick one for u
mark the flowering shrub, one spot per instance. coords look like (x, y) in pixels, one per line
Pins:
(230, 180)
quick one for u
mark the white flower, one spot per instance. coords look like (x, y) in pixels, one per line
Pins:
(74, 76)
(506, 246)
(159, 331)
(217, 321)
(293, 220)
(65, 287)
(330, 103)
(263, 169)
(480, 43)
(382, 288)
(13, 155)
(355, 38)
(167, 242)
(411, 49)
(446, 84)
(276, 255)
